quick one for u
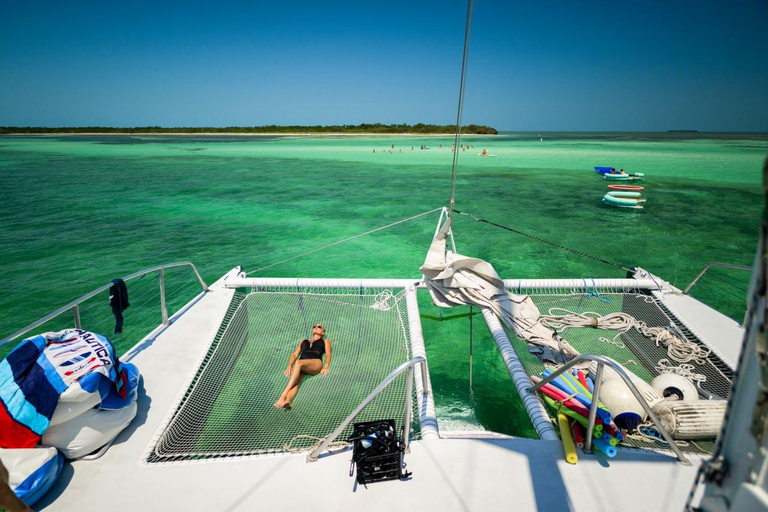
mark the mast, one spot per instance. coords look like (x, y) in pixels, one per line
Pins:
(457, 139)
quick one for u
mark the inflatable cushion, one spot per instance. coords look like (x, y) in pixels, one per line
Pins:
(74, 402)
(32, 471)
(89, 431)
(95, 390)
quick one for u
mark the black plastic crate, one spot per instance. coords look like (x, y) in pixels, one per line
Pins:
(377, 452)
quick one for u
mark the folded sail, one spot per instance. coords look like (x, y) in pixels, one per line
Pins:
(455, 280)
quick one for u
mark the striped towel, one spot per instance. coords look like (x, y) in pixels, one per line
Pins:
(36, 372)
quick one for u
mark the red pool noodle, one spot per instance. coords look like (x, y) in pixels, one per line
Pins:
(558, 396)
(583, 379)
(578, 436)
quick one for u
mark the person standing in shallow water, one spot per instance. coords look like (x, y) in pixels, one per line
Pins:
(307, 359)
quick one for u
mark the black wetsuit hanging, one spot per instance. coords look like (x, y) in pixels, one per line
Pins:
(118, 299)
(313, 350)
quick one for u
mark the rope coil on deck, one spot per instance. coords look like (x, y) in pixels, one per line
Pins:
(678, 349)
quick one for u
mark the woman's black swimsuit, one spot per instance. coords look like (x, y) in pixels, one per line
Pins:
(312, 350)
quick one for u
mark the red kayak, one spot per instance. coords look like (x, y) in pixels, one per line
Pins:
(625, 187)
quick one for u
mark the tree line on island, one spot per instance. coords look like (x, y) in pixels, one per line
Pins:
(419, 128)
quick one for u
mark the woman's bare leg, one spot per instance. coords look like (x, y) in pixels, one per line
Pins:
(301, 367)
(291, 394)
(292, 381)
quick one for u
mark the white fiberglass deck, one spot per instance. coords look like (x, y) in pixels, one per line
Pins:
(448, 474)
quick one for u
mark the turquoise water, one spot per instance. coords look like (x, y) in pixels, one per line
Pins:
(78, 211)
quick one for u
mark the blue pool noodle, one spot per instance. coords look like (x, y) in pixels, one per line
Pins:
(603, 446)
(563, 386)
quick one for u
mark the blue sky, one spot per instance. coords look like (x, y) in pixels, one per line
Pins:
(533, 65)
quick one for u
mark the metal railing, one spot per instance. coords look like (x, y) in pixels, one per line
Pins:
(75, 304)
(601, 362)
(408, 365)
(715, 264)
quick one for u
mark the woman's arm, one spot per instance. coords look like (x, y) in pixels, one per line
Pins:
(324, 371)
(292, 360)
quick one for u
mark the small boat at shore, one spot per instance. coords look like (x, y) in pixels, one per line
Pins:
(622, 199)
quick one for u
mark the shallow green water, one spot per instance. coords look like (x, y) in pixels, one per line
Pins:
(78, 211)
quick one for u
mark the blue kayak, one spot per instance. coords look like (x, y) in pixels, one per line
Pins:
(603, 170)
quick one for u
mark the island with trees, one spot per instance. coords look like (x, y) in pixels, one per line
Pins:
(365, 128)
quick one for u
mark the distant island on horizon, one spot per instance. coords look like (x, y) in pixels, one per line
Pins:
(375, 128)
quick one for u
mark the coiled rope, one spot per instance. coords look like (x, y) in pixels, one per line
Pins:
(614, 321)
(684, 370)
(678, 350)
(385, 301)
(621, 322)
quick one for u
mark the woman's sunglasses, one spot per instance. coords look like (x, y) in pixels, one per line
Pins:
(318, 325)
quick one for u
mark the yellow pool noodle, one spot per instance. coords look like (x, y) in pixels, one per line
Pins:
(565, 433)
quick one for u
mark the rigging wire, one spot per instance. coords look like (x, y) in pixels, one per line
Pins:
(617, 265)
(341, 241)
(460, 112)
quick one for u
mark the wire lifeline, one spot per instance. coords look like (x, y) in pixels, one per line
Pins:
(617, 265)
(343, 241)
(459, 114)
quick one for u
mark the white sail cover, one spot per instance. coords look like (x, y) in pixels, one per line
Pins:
(455, 280)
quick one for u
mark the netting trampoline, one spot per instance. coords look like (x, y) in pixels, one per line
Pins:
(637, 353)
(228, 410)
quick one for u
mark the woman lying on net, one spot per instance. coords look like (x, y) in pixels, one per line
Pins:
(307, 359)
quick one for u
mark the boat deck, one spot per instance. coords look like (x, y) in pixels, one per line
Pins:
(448, 474)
